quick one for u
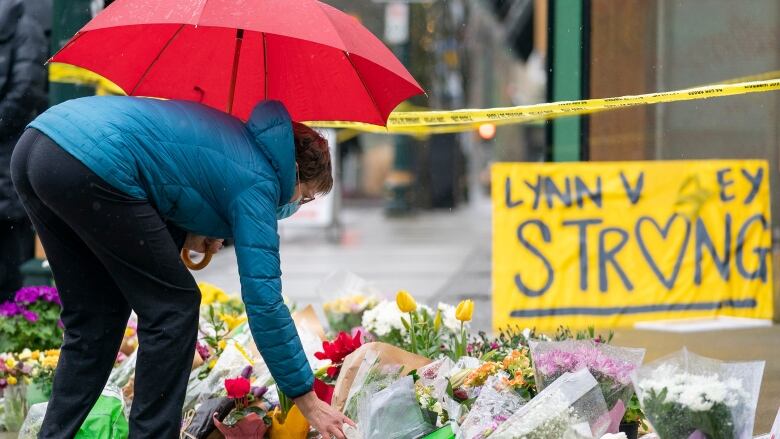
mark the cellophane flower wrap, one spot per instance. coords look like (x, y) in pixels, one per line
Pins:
(232, 361)
(571, 407)
(686, 395)
(611, 366)
(497, 401)
(354, 296)
(392, 413)
(432, 395)
(371, 378)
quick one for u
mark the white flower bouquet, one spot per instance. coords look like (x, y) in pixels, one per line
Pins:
(686, 395)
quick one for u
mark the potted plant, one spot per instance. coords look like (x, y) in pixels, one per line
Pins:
(287, 421)
(248, 420)
(633, 419)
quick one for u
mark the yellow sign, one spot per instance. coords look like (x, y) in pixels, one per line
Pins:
(611, 244)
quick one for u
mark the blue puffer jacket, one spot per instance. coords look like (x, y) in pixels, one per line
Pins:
(210, 174)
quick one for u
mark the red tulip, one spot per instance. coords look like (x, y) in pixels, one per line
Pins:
(237, 388)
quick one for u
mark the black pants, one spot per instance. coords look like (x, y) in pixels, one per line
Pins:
(109, 253)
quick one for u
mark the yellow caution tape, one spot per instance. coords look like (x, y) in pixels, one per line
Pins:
(422, 123)
(412, 121)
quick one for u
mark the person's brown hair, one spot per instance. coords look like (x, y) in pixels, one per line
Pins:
(313, 158)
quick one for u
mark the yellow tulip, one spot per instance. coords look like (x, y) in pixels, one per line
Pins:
(464, 311)
(212, 363)
(437, 321)
(35, 355)
(222, 344)
(10, 362)
(12, 380)
(405, 301)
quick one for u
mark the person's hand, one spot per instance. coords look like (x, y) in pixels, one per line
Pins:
(325, 419)
(200, 244)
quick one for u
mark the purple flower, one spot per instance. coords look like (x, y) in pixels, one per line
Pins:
(30, 316)
(10, 309)
(28, 295)
(203, 351)
(556, 362)
(258, 392)
(3, 383)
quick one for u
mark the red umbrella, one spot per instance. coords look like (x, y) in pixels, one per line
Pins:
(230, 54)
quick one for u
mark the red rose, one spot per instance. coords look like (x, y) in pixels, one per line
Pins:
(237, 388)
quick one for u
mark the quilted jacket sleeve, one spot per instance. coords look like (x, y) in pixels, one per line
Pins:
(257, 251)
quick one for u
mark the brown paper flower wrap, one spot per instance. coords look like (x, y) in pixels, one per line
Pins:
(386, 355)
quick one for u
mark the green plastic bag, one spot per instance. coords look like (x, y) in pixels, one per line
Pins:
(442, 433)
(106, 420)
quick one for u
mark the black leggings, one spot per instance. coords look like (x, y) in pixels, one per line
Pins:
(109, 252)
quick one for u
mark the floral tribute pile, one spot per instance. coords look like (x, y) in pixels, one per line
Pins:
(402, 369)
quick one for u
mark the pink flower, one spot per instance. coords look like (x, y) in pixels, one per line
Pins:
(237, 388)
(10, 309)
(30, 316)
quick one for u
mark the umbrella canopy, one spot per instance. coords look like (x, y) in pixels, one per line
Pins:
(230, 54)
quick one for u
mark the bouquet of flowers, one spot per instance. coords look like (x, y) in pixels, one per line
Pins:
(571, 407)
(371, 378)
(346, 312)
(392, 413)
(516, 368)
(686, 395)
(229, 363)
(610, 365)
(31, 320)
(495, 404)
(354, 296)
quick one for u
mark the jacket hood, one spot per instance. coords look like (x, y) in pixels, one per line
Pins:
(11, 12)
(271, 126)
